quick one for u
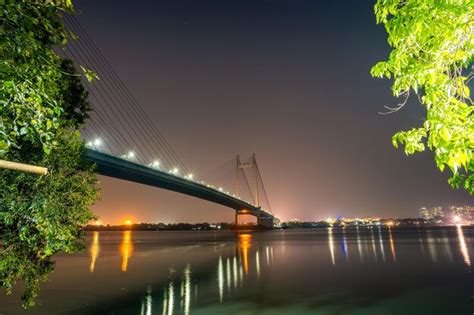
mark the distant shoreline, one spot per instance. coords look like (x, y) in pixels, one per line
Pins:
(231, 227)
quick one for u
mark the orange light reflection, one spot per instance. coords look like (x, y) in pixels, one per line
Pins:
(245, 242)
(126, 249)
(94, 251)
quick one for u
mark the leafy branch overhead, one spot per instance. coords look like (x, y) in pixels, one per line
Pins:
(432, 56)
(43, 104)
(31, 103)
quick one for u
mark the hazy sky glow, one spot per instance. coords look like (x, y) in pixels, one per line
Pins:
(288, 80)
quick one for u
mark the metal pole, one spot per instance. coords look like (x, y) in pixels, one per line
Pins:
(23, 167)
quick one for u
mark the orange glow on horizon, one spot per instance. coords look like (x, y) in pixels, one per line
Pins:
(128, 222)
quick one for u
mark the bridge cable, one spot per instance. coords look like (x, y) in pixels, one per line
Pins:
(118, 83)
(112, 83)
(137, 135)
(108, 119)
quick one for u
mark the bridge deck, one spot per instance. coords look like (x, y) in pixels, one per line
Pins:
(115, 167)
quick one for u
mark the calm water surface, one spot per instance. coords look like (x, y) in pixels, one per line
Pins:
(333, 271)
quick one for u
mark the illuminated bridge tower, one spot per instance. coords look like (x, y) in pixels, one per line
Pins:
(248, 176)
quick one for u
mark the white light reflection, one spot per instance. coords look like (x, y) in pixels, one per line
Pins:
(147, 303)
(431, 247)
(257, 263)
(382, 249)
(187, 289)
(420, 240)
(165, 303)
(241, 273)
(220, 279)
(229, 277)
(447, 247)
(267, 254)
(344, 244)
(331, 246)
(170, 298)
(463, 247)
(374, 248)
(235, 272)
(359, 246)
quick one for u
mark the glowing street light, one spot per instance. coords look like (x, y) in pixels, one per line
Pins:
(129, 156)
(96, 143)
(174, 171)
(190, 176)
(155, 164)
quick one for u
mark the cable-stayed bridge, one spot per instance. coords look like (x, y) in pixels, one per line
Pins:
(124, 143)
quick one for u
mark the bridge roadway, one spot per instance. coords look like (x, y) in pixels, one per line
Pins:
(112, 166)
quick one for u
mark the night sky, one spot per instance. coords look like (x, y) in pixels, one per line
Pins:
(288, 80)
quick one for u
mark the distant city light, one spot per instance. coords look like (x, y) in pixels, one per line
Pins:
(457, 219)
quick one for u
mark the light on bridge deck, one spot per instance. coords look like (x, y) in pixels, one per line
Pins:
(174, 171)
(190, 176)
(129, 156)
(155, 164)
(95, 144)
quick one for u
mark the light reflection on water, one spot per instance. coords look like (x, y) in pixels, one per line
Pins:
(392, 244)
(463, 247)
(94, 250)
(126, 249)
(274, 272)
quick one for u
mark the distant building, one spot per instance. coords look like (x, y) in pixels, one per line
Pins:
(464, 213)
(453, 214)
(433, 215)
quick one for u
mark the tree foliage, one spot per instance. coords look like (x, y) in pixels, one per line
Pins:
(42, 105)
(432, 56)
(30, 70)
(43, 216)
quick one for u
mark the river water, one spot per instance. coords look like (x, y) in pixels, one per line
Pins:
(325, 271)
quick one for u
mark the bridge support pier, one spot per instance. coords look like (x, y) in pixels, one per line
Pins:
(266, 222)
(263, 219)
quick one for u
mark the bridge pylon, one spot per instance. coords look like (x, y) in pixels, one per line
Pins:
(252, 168)
(248, 176)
